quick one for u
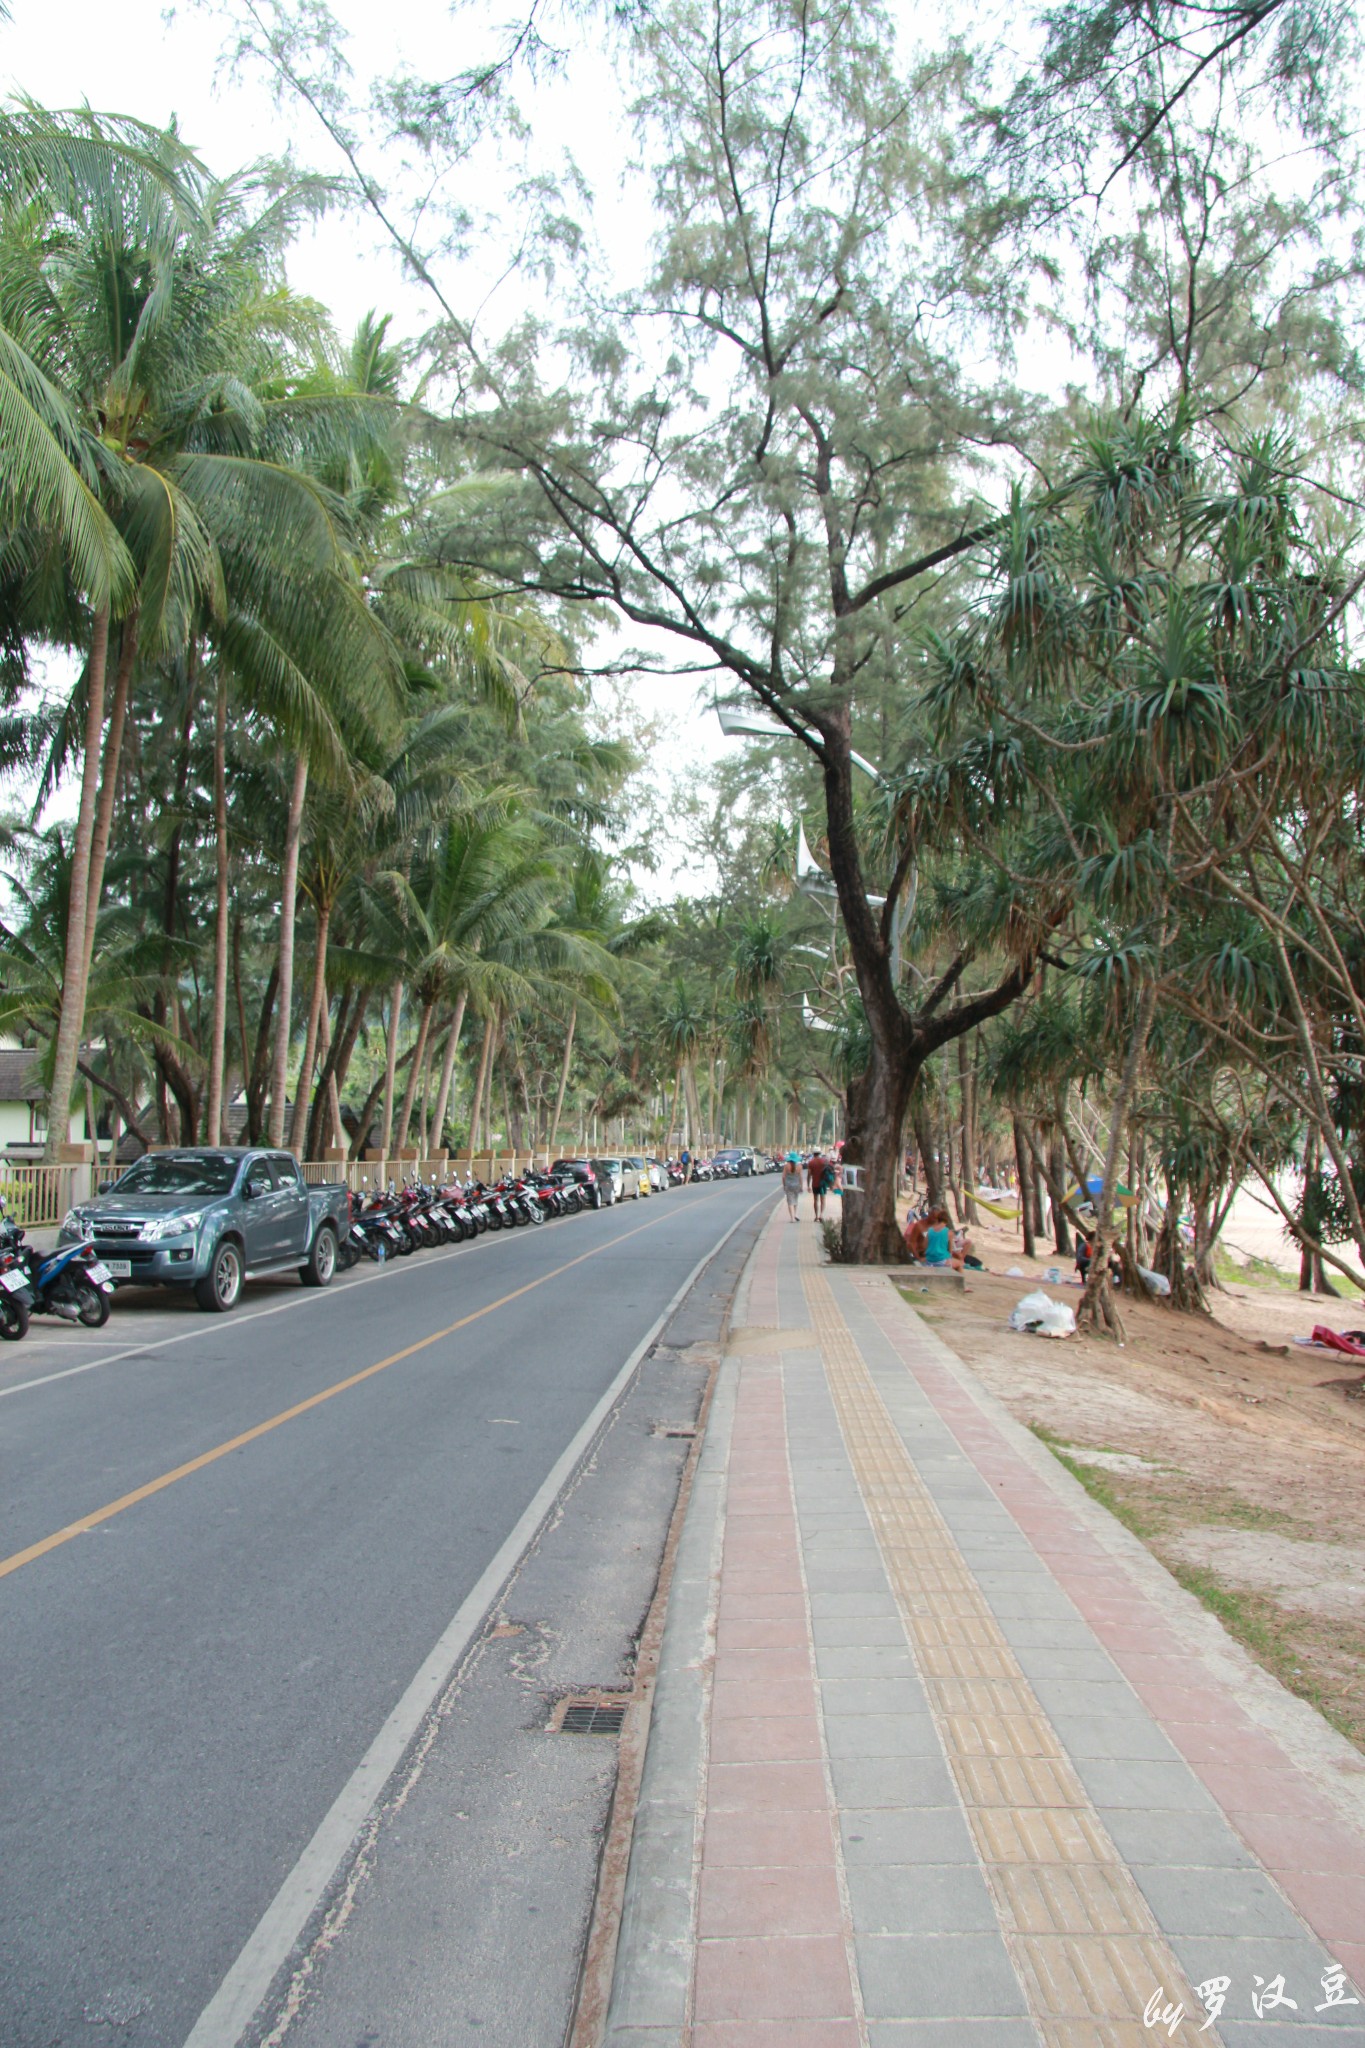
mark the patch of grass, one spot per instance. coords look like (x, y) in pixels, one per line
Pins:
(1278, 1640)
(1105, 1487)
(1317, 1660)
(1252, 1272)
(916, 1300)
(1230, 1511)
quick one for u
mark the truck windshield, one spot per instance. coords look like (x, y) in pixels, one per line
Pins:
(179, 1173)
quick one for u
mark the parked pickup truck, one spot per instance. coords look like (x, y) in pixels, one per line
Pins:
(212, 1218)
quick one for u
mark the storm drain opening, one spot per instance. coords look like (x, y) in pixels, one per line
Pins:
(589, 1717)
(682, 1429)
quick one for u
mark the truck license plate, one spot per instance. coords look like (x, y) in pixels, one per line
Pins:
(112, 1269)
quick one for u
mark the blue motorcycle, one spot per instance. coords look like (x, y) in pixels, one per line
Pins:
(70, 1283)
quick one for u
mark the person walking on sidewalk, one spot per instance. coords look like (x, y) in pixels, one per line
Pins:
(791, 1184)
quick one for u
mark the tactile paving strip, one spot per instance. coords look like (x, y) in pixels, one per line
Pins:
(1085, 1944)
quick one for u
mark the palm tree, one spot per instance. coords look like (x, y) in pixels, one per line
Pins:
(596, 910)
(683, 1029)
(159, 313)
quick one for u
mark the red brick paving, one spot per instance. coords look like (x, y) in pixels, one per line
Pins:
(772, 1963)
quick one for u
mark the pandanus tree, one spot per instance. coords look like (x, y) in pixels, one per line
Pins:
(1156, 665)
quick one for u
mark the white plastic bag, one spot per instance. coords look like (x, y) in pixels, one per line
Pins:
(1158, 1282)
(1041, 1316)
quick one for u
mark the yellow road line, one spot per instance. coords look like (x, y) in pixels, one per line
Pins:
(248, 1436)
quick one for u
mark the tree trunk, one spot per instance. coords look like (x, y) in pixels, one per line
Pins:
(71, 1018)
(448, 1069)
(325, 1099)
(693, 1106)
(877, 1102)
(213, 1132)
(410, 1092)
(390, 1065)
(424, 1097)
(563, 1077)
(480, 1086)
(304, 1092)
(326, 1109)
(289, 881)
(967, 1092)
(1056, 1167)
(1024, 1166)
(923, 1128)
(113, 752)
(1098, 1307)
(673, 1110)
(493, 1049)
(260, 1063)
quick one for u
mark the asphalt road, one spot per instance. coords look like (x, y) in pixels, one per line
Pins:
(229, 1544)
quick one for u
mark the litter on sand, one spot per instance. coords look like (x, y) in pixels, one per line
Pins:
(1158, 1282)
(1041, 1316)
(1352, 1342)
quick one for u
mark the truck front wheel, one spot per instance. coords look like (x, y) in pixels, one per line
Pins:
(322, 1260)
(221, 1287)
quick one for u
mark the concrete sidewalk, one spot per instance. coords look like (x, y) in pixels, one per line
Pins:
(939, 1753)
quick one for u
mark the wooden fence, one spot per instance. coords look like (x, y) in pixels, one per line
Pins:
(37, 1196)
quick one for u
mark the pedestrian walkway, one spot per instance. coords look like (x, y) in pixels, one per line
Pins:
(938, 1753)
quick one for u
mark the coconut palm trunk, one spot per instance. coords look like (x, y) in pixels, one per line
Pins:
(494, 1043)
(213, 1119)
(447, 1070)
(563, 1077)
(673, 1106)
(414, 1074)
(391, 1065)
(693, 1106)
(480, 1082)
(71, 1019)
(302, 1094)
(104, 813)
(289, 886)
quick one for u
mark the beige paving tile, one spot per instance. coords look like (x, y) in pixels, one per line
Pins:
(1084, 1941)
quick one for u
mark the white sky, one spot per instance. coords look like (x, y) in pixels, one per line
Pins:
(157, 64)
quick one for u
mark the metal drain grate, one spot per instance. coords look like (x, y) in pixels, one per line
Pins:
(592, 1717)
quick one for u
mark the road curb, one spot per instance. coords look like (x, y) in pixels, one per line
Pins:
(652, 1982)
(280, 1937)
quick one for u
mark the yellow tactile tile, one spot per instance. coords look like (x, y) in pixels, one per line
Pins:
(1086, 1947)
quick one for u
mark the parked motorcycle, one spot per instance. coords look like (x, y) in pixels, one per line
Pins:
(70, 1282)
(16, 1296)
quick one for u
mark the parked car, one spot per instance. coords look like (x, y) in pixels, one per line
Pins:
(210, 1219)
(627, 1184)
(612, 1175)
(735, 1159)
(585, 1174)
(640, 1168)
